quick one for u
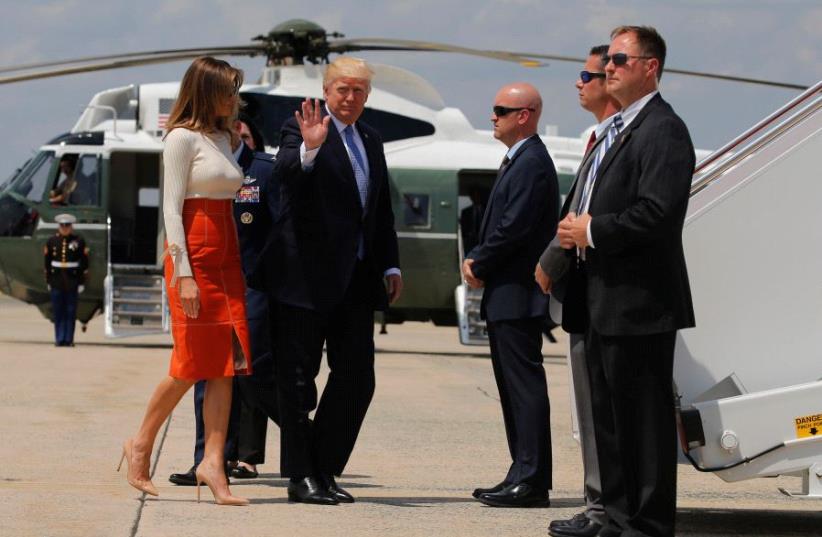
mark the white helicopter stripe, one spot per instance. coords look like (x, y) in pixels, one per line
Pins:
(423, 235)
(78, 226)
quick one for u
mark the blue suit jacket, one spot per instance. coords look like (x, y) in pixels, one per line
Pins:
(520, 220)
(312, 252)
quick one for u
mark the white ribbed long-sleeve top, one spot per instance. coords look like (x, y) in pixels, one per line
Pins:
(195, 165)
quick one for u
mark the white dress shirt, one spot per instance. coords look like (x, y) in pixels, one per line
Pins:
(514, 148)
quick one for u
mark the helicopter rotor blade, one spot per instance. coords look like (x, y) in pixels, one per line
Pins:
(346, 45)
(201, 51)
(116, 61)
(523, 57)
(744, 80)
(685, 72)
(126, 60)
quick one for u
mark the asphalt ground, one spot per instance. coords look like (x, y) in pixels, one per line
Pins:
(433, 433)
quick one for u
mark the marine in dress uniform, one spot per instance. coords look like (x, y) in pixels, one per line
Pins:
(66, 268)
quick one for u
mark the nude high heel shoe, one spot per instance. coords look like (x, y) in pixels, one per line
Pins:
(143, 485)
(219, 499)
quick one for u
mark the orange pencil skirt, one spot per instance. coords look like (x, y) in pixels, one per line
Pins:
(216, 343)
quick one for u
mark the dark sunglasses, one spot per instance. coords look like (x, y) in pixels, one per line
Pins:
(65, 225)
(500, 111)
(620, 58)
(587, 76)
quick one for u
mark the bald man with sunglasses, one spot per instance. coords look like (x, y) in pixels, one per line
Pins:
(520, 219)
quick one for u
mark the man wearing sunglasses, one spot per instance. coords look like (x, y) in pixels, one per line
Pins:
(520, 219)
(553, 265)
(628, 287)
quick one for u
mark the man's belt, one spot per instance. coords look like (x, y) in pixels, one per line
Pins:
(65, 264)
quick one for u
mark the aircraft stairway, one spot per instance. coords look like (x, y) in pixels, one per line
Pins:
(749, 374)
(135, 301)
(473, 330)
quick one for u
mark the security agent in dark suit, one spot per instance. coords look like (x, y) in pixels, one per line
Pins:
(328, 255)
(520, 219)
(256, 206)
(594, 98)
(628, 289)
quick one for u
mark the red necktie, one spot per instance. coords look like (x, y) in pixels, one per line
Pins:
(591, 141)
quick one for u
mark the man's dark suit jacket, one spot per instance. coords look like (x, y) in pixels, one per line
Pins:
(520, 219)
(259, 200)
(312, 252)
(637, 281)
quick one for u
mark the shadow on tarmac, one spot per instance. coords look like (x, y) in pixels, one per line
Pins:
(112, 344)
(706, 522)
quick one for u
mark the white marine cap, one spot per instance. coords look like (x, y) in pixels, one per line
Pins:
(65, 218)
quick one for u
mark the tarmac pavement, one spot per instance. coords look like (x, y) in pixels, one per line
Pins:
(434, 432)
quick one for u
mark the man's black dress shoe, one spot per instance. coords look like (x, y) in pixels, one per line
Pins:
(516, 495)
(309, 490)
(579, 526)
(187, 479)
(241, 472)
(342, 495)
(573, 521)
(496, 488)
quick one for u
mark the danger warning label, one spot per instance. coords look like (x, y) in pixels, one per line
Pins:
(808, 426)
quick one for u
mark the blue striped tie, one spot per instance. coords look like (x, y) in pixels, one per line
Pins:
(357, 163)
(613, 131)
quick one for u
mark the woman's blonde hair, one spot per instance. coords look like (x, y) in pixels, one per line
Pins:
(206, 82)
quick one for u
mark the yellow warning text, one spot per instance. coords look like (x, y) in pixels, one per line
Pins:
(808, 426)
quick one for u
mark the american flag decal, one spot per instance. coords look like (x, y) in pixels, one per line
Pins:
(163, 112)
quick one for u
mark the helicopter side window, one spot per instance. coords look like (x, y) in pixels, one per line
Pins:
(416, 210)
(31, 182)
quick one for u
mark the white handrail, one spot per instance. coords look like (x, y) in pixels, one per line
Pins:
(801, 107)
(713, 157)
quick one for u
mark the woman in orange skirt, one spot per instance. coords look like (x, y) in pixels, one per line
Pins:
(206, 289)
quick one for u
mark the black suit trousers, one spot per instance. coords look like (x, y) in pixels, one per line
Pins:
(324, 446)
(516, 356)
(635, 429)
(258, 391)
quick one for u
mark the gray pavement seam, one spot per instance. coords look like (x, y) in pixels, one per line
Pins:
(135, 527)
(486, 394)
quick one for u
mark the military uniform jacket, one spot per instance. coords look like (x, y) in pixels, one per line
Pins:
(256, 205)
(66, 262)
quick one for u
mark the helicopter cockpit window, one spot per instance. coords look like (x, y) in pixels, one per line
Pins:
(269, 112)
(77, 181)
(32, 180)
